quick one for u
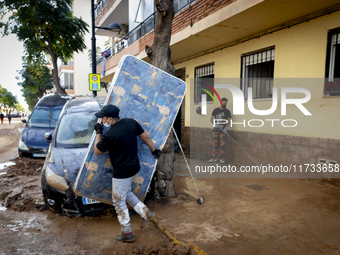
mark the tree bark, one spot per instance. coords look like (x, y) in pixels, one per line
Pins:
(54, 57)
(160, 55)
(55, 77)
(40, 92)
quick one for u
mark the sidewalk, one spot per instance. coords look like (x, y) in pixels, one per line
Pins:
(15, 123)
(9, 137)
(253, 216)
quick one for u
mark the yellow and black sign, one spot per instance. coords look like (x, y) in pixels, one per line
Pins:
(94, 82)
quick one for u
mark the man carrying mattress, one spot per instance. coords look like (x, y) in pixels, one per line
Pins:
(121, 142)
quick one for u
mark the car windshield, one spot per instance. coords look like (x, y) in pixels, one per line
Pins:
(44, 118)
(75, 130)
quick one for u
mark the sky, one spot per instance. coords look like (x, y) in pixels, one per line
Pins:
(11, 51)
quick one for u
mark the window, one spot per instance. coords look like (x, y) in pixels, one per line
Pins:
(75, 130)
(44, 118)
(331, 87)
(179, 4)
(258, 73)
(66, 80)
(204, 75)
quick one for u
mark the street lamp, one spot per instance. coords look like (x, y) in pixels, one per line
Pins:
(114, 27)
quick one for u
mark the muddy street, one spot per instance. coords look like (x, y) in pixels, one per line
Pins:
(9, 137)
(239, 216)
(27, 227)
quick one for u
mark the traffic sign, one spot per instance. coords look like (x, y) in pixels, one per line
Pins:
(94, 82)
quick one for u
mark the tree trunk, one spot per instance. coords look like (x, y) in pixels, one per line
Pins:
(160, 55)
(40, 92)
(55, 77)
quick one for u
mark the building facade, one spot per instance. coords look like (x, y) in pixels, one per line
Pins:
(66, 76)
(81, 62)
(263, 45)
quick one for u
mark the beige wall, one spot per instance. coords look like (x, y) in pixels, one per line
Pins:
(82, 68)
(300, 52)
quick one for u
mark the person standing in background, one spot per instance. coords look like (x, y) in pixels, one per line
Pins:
(9, 116)
(2, 117)
(219, 139)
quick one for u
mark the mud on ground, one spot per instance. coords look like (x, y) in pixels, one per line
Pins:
(20, 192)
(9, 138)
(24, 229)
(160, 249)
(20, 188)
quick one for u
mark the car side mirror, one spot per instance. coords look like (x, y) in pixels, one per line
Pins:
(23, 120)
(48, 137)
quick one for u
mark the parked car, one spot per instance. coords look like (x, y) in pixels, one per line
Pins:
(43, 119)
(68, 147)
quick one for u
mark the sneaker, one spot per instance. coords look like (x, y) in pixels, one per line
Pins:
(222, 161)
(212, 160)
(149, 216)
(125, 237)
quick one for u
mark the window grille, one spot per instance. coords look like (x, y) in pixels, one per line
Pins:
(204, 75)
(66, 80)
(332, 87)
(71, 80)
(258, 73)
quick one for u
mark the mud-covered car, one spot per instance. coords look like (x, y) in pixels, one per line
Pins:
(68, 147)
(43, 119)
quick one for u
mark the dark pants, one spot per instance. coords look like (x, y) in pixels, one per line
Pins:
(219, 141)
(9, 120)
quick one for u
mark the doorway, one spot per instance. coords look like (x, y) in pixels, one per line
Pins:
(179, 121)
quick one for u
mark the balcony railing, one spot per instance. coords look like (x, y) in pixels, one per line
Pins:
(142, 29)
(99, 7)
(66, 63)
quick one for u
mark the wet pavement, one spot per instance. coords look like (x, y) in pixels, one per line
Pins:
(48, 233)
(9, 138)
(26, 230)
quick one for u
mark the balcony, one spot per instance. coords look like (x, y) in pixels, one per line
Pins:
(99, 7)
(142, 29)
(109, 11)
(203, 27)
(66, 63)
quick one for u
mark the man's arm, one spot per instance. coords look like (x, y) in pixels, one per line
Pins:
(144, 136)
(96, 150)
(99, 130)
(155, 152)
(212, 119)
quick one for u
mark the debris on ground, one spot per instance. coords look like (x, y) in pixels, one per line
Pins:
(20, 188)
(159, 249)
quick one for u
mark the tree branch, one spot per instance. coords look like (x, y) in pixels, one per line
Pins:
(50, 39)
(41, 47)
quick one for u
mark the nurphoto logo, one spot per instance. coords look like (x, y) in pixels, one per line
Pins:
(238, 105)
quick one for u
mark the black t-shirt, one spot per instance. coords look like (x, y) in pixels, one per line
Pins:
(219, 113)
(121, 142)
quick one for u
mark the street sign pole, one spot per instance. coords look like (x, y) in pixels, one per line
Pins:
(94, 65)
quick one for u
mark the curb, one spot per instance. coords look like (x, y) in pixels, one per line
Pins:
(197, 250)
